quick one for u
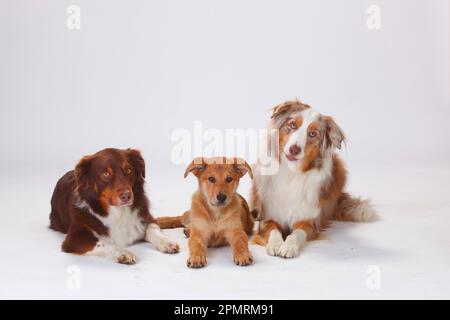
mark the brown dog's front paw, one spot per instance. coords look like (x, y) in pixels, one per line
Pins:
(126, 258)
(243, 259)
(167, 246)
(196, 262)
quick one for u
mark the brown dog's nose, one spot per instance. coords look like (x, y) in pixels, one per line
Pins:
(221, 198)
(125, 196)
(294, 149)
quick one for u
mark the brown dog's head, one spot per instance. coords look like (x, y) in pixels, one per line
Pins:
(218, 178)
(112, 177)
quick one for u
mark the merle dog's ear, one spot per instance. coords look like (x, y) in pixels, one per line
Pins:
(281, 112)
(196, 167)
(137, 161)
(242, 167)
(82, 171)
(287, 107)
(334, 134)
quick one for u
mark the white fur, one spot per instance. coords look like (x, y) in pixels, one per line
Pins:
(125, 228)
(292, 245)
(160, 240)
(300, 136)
(124, 224)
(274, 243)
(291, 195)
(364, 212)
(108, 249)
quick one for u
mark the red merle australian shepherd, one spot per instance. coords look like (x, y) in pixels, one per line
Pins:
(307, 191)
(102, 207)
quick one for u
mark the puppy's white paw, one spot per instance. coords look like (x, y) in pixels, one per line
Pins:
(274, 243)
(168, 246)
(288, 250)
(126, 257)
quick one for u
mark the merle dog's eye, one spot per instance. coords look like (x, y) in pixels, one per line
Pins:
(229, 179)
(292, 125)
(212, 179)
(312, 134)
(128, 171)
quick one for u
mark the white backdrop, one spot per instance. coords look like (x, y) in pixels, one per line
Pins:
(138, 70)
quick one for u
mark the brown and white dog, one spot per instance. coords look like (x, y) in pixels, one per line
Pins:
(218, 214)
(307, 191)
(102, 207)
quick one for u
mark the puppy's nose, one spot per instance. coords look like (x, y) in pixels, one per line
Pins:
(221, 198)
(125, 196)
(294, 149)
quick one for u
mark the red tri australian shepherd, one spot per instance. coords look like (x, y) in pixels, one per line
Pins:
(102, 207)
(307, 191)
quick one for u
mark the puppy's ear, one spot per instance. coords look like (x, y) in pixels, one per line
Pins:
(334, 134)
(82, 172)
(197, 166)
(137, 161)
(242, 167)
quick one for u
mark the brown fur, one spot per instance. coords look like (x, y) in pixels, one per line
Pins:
(335, 204)
(89, 183)
(212, 224)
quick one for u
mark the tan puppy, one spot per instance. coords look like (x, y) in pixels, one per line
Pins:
(218, 214)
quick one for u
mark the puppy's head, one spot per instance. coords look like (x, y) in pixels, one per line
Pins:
(218, 178)
(305, 135)
(113, 177)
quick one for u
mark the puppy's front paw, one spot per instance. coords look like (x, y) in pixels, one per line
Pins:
(243, 259)
(196, 261)
(289, 250)
(126, 257)
(168, 246)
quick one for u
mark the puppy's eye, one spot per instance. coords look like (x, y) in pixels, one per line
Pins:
(312, 134)
(212, 179)
(229, 179)
(292, 125)
(106, 175)
(128, 171)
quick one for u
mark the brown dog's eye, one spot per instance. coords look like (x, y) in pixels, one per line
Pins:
(312, 134)
(212, 179)
(106, 175)
(292, 125)
(229, 179)
(128, 171)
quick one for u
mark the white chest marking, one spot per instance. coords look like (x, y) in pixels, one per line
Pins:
(124, 224)
(290, 195)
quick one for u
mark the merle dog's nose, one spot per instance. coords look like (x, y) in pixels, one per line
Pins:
(294, 150)
(125, 196)
(221, 198)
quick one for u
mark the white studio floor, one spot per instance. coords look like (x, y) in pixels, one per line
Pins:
(404, 255)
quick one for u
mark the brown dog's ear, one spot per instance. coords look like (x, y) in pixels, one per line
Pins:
(287, 107)
(334, 135)
(82, 171)
(196, 167)
(242, 167)
(137, 161)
